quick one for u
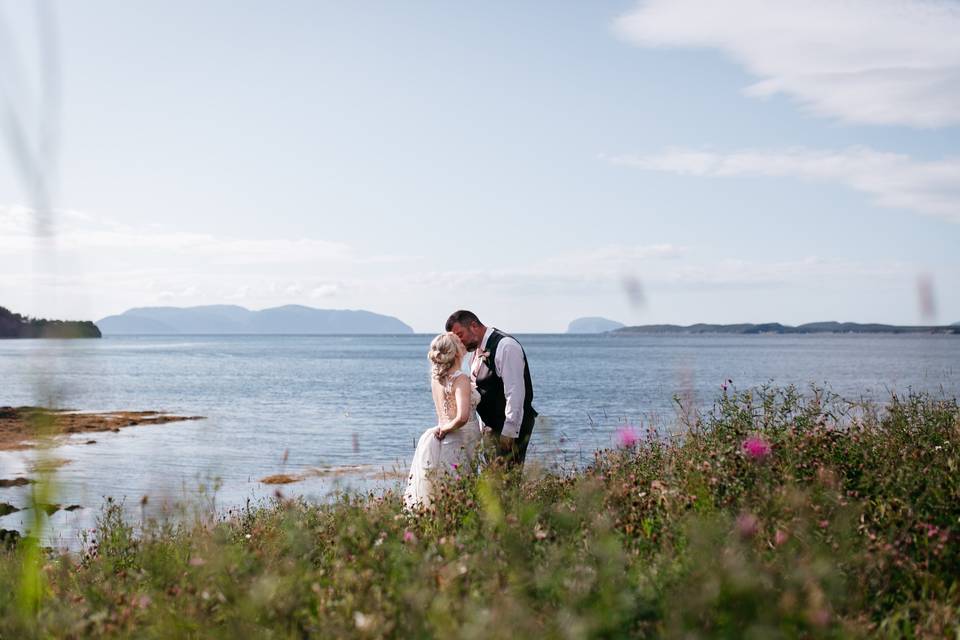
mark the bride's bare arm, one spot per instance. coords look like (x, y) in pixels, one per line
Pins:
(461, 393)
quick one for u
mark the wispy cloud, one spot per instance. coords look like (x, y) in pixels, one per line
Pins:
(577, 275)
(860, 61)
(540, 295)
(82, 233)
(891, 179)
(733, 273)
(113, 266)
(610, 259)
(106, 278)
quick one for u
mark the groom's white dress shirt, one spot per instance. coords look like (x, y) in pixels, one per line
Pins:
(509, 366)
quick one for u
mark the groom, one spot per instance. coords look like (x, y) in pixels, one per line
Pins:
(502, 377)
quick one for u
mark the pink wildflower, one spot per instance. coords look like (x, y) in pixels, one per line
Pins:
(780, 537)
(819, 617)
(747, 525)
(409, 537)
(757, 448)
(627, 437)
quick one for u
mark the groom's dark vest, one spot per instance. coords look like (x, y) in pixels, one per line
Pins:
(493, 401)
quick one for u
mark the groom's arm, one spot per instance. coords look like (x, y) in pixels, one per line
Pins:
(509, 363)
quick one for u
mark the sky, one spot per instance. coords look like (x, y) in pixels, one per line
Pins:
(665, 161)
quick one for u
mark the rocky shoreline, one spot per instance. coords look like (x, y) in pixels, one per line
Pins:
(25, 427)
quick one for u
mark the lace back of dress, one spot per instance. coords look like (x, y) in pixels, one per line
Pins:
(448, 399)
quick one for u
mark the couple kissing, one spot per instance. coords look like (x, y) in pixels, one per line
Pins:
(489, 409)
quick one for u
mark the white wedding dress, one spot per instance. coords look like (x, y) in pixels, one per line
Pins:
(453, 454)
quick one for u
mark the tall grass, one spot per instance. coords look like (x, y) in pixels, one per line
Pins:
(775, 515)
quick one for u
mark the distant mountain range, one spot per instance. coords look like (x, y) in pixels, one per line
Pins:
(776, 327)
(14, 325)
(593, 324)
(231, 319)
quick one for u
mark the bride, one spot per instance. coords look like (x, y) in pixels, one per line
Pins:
(451, 444)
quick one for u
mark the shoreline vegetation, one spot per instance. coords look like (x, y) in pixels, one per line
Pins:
(14, 325)
(776, 514)
(777, 328)
(24, 427)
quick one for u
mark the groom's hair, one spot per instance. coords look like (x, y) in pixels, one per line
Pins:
(463, 318)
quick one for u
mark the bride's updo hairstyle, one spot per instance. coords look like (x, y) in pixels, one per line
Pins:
(443, 354)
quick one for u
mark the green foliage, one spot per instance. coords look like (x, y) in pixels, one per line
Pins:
(841, 521)
(14, 325)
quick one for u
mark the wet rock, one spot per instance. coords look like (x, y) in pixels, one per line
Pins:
(280, 478)
(15, 482)
(19, 426)
(47, 465)
(9, 537)
(49, 509)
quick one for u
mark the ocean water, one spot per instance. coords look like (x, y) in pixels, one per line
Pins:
(289, 404)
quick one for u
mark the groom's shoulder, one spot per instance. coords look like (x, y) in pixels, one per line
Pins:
(506, 338)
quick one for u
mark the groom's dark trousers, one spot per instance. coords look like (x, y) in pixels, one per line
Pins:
(518, 453)
(493, 403)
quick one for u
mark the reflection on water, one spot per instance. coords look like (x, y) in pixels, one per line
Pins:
(279, 404)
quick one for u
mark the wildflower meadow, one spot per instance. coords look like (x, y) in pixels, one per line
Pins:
(777, 514)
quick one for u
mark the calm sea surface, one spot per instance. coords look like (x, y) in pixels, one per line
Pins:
(294, 403)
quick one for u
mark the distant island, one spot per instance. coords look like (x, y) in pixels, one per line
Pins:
(232, 319)
(14, 325)
(593, 324)
(776, 327)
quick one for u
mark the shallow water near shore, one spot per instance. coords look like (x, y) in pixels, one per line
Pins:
(296, 404)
